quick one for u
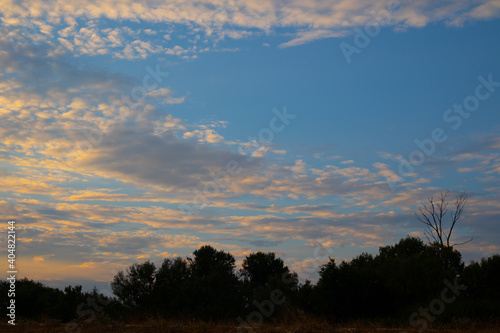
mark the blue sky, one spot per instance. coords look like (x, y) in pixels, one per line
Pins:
(116, 116)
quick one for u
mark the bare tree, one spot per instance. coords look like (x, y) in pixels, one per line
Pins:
(433, 215)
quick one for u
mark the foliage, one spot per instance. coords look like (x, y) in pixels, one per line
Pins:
(262, 274)
(35, 301)
(399, 277)
(391, 284)
(135, 287)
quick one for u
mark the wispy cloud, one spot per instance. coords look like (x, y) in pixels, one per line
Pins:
(309, 36)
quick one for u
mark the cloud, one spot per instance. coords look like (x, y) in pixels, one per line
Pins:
(215, 20)
(204, 136)
(159, 160)
(309, 36)
(486, 10)
(166, 94)
(127, 169)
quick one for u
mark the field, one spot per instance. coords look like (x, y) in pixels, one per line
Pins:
(161, 326)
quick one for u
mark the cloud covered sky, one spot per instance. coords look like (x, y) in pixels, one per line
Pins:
(134, 131)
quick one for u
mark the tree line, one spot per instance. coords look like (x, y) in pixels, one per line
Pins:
(396, 283)
(411, 281)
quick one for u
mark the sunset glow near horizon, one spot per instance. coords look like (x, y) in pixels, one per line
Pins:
(313, 129)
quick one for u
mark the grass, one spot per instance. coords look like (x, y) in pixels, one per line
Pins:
(297, 325)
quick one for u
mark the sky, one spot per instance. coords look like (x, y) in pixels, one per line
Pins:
(134, 131)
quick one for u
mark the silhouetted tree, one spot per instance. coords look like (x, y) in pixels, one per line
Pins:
(326, 298)
(351, 289)
(400, 277)
(408, 247)
(413, 271)
(305, 296)
(135, 286)
(73, 297)
(482, 278)
(171, 284)
(214, 289)
(35, 300)
(433, 216)
(394, 283)
(258, 268)
(263, 274)
(207, 260)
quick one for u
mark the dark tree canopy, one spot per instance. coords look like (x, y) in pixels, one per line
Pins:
(135, 287)
(398, 276)
(263, 274)
(391, 284)
(214, 287)
(406, 248)
(170, 285)
(208, 260)
(258, 268)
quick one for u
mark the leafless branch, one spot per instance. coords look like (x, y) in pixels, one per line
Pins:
(462, 243)
(433, 215)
